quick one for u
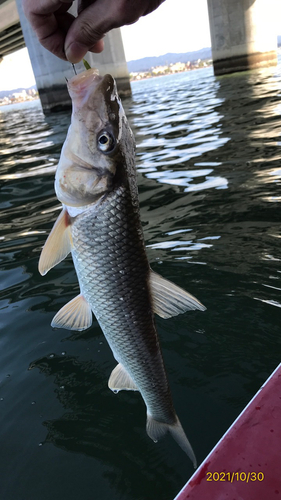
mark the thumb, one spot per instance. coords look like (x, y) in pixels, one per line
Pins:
(99, 17)
(88, 29)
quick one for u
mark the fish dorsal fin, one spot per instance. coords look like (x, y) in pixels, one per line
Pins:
(75, 315)
(120, 380)
(169, 299)
(57, 245)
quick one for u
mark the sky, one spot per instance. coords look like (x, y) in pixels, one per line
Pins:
(16, 71)
(176, 26)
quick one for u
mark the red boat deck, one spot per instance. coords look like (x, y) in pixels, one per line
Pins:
(246, 462)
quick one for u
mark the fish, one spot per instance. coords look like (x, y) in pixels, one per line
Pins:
(100, 225)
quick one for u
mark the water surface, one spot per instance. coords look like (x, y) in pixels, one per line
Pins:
(208, 157)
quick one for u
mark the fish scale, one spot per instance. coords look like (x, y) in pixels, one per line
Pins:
(104, 242)
(100, 224)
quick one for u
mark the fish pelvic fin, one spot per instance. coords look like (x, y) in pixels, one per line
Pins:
(120, 380)
(169, 299)
(75, 315)
(156, 430)
(58, 244)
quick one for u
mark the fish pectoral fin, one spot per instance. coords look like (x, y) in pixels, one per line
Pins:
(156, 430)
(120, 380)
(169, 299)
(58, 244)
(75, 315)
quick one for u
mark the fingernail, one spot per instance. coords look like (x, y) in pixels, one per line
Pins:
(75, 52)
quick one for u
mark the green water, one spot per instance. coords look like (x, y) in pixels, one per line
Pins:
(208, 157)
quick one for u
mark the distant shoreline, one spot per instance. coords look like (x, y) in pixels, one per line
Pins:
(7, 101)
(19, 104)
(169, 70)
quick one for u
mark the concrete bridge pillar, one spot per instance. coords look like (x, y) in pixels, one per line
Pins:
(50, 72)
(243, 34)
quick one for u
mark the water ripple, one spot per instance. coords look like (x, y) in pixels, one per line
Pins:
(208, 160)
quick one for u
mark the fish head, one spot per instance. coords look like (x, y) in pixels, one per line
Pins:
(97, 142)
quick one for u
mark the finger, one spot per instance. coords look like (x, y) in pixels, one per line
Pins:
(90, 27)
(42, 7)
(96, 20)
(98, 47)
(151, 6)
(50, 21)
(83, 4)
(51, 33)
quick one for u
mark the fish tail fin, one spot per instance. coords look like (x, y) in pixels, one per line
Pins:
(179, 436)
(156, 430)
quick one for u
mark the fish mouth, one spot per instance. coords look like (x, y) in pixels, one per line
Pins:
(89, 84)
(79, 84)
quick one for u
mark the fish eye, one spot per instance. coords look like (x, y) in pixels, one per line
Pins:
(106, 142)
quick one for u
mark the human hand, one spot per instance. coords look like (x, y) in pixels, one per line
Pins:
(70, 38)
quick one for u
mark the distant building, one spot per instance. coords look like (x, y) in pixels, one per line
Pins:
(4, 101)
(20, 96)
(160, 70)
(177, 67)
(172, 68)
(24, 95)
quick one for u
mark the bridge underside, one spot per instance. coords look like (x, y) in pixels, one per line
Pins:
(11, 39)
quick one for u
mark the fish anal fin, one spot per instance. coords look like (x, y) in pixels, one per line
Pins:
(58, 244)
(75, 315)
(120, 380)
(169, 299)
(156, 430)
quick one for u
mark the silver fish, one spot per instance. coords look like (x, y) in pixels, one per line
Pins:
(100, 225)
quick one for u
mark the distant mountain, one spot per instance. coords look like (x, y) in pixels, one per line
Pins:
(146, 63)
(6, 93)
